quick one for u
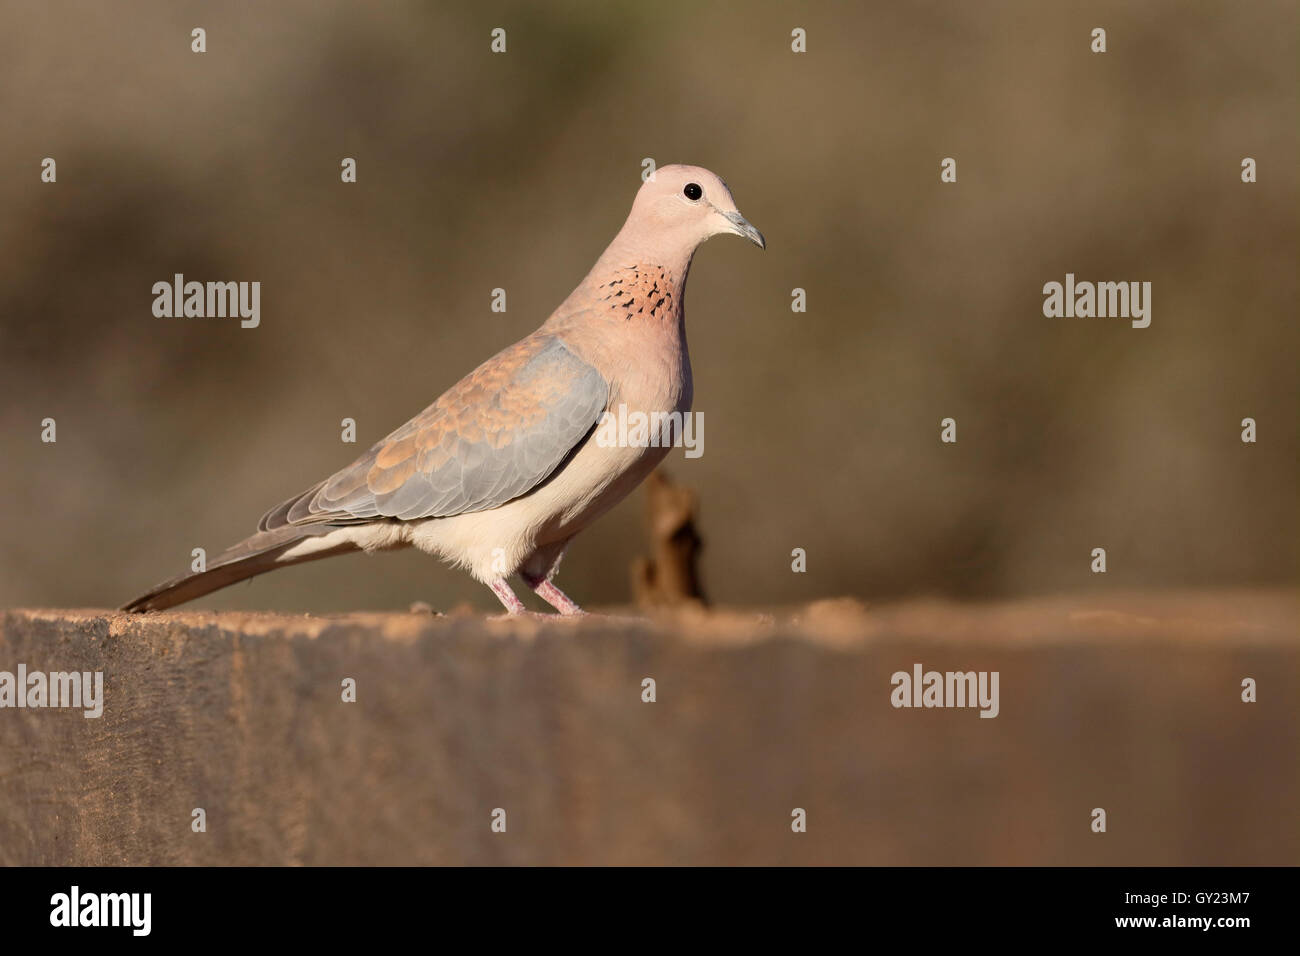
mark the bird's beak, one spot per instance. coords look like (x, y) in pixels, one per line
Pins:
(742, 227)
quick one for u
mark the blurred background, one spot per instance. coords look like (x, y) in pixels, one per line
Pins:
(478, 171)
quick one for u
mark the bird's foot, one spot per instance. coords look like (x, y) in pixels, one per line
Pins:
(507, 597)
(545, 589)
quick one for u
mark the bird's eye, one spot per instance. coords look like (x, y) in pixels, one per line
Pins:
(693, 191)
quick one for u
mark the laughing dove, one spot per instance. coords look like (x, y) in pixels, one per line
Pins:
(500, 473)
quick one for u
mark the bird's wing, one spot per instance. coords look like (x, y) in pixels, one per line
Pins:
(495, 435)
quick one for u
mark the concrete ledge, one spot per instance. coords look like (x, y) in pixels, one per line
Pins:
(1130, 703)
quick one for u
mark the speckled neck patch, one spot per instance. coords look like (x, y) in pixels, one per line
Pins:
(643, 290)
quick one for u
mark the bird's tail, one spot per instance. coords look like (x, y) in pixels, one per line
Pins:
(264, 551)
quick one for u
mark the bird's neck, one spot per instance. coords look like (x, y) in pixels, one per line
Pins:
(627, 318)
(636, 285)
(672, 251)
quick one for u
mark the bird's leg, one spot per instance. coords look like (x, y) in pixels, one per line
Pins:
(545, 589)
(506, 596)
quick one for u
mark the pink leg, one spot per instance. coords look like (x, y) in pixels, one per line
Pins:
(548, 592)
(507, 597)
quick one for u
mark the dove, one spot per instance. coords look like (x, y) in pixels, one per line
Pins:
(501, 472)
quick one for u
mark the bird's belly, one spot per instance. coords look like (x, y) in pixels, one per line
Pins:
(598, 477)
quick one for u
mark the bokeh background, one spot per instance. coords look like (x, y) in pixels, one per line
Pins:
(479, 171)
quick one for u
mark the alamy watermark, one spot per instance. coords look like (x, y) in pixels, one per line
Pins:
(1121, 300)
(210, 300)
(80, 690)
(652, 430)
(75, 908)
(946, 689)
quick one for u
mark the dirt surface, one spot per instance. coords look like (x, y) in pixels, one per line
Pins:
(1130, 703)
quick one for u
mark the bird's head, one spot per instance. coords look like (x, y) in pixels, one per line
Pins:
(687, 205)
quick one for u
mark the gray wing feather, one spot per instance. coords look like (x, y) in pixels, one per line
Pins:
(493, 437)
